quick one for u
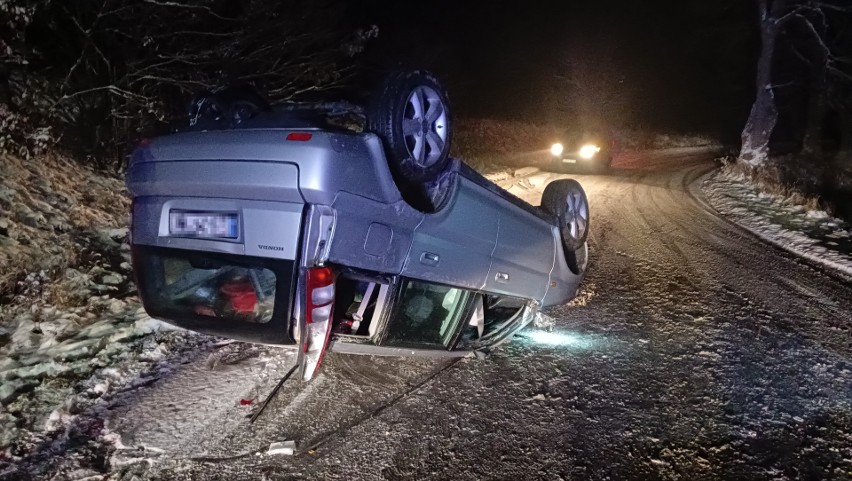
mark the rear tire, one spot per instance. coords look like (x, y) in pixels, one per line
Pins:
(225, 108)
(566, 199)
(410, 112)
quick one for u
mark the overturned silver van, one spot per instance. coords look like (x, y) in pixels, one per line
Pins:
(280, 230)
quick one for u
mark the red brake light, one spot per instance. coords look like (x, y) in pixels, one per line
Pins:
(319, 277)
(299, 136)
(319, 303)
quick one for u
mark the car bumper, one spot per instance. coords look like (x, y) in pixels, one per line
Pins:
(569, 159)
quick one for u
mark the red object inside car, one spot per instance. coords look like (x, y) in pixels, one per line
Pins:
(241, 295)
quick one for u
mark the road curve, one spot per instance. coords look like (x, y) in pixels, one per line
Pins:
(694, 351)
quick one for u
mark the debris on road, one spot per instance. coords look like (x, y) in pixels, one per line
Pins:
(286, 448)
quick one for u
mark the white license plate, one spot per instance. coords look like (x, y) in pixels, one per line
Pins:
(569, 161)
(221, 225)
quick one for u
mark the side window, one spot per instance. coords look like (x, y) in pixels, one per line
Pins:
(493, 318)
(427, 315)
(359, 306)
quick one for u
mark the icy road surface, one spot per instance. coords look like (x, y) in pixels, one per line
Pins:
(694, 351)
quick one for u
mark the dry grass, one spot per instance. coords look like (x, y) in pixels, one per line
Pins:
(815, 183)
(45, 203)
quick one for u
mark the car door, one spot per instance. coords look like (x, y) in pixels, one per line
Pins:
(454, 245)
(523, 257)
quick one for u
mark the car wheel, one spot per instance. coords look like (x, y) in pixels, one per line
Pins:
(578, 260)
(566, 199)
(410, 112)
(226, 108)
(205, 110)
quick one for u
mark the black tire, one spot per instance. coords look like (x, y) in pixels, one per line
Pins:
(578, 260)
(417, 146)
(205, 111)
(566, 199)
(226, 107)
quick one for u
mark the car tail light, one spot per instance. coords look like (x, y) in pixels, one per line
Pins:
(299, 136)
(319, 304)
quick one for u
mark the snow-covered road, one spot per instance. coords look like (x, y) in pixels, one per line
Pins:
(694, 351)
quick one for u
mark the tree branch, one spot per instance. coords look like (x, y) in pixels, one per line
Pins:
(165, 3)
(817, 37)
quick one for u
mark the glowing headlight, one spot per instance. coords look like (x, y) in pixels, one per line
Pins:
(589, 150)
(556, 149)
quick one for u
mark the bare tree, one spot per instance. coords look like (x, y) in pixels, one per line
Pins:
(830, 74)
(764, 113)
(115, 67)
(776, 17)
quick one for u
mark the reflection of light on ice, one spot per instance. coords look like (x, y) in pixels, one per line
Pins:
(557, 338)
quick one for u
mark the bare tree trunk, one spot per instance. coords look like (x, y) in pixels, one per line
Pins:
(764, 114)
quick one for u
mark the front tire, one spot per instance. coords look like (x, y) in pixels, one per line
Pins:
(566, 199)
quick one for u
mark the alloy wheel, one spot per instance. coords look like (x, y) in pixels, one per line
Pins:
(424, 126)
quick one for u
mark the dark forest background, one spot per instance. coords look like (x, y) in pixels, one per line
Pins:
(93, 76)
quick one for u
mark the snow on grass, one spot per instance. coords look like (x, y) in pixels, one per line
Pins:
(46, 204)
(77, 348)
(811, 233)
(72, 332)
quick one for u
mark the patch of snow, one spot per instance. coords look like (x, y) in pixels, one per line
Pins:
(525, 171)
(498, 176)
(539, 180)
(812, 234)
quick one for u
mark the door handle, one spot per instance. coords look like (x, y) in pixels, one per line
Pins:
(501, 277)
(429, 259)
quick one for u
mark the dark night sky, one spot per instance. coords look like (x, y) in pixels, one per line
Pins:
(657, 64)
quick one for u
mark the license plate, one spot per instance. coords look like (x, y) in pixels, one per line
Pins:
(569, 161)
(220, 225)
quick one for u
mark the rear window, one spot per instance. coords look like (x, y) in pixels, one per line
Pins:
(213, 288)
(242, 297)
